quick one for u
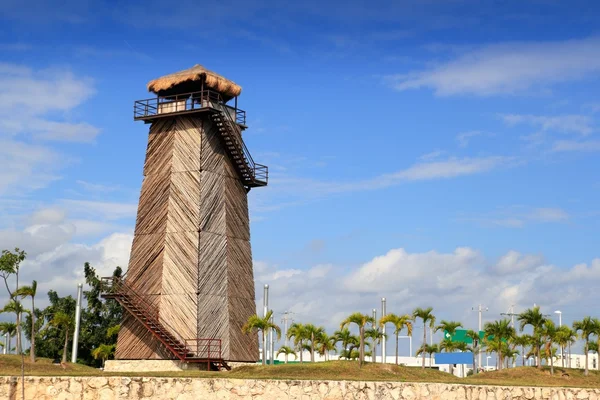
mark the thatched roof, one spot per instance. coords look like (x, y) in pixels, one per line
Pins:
(189, 80)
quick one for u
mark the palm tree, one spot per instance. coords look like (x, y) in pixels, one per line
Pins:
(15, 306)
(535, 318)
(474, 336)
(287, 351)
(376, 336)
(399, 322)
(297, 332)
(103, 352)
(325, 344)
(548, 333)
(8, 328)
(429, 349)
(345, 337)
(588, 327)
(361, 320)
(312, 333)
(564, 337)
(522, 340)
(427, 316)
(258, 324)
(64, 321)
(30, 291)
(495, 332)
(448, 326)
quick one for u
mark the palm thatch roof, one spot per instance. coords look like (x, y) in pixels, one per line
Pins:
(190, 80)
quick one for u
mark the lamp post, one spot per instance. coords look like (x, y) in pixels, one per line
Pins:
(559, 325)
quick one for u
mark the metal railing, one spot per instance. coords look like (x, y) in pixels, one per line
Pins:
(259, 172)
(185, 102)
(204, 349)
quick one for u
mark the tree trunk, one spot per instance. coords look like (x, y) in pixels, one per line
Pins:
(499, 358)
(301, 351)
(569, 363)
(64, 356)
(424, 342)
(361, 352)
(539, 356)
(374, 351)
(264, 355)
(312, 347)
(286, 357)
(551, 361)
(586, 358)
(18, 332)
(32, 349)
(397, 339)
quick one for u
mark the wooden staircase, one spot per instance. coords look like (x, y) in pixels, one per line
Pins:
(190, 351)
(251, 173)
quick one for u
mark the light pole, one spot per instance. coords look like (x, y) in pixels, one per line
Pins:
(384, 339)
(559, 325)
(480, 309)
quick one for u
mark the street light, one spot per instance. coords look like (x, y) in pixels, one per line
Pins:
(559, 325)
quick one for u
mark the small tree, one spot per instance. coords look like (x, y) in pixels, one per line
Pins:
(474, 336)
(258, 324)
(287, 351)
(361, 320)
(30, 291)
(426, 315)
(400, 322)
(9, 329)
(103, 352)
(312, 333)
(15, 306)
(65, 322)
(587, 327)
(298, 332)
(495, 333)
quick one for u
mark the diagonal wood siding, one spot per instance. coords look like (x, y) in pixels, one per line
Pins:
(191, 252)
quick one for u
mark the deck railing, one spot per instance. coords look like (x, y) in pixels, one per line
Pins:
(183, 103)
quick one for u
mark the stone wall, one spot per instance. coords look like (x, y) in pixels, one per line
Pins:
(112, 388)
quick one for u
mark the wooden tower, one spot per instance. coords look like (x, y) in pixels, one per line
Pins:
(189, 287)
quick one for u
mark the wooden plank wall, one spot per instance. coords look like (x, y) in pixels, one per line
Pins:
(191, 252)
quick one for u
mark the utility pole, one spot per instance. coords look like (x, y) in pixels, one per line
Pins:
(480, 309)
(77, 322)
(384, 339)
(284, 320)
(265, 311)
(375, 341)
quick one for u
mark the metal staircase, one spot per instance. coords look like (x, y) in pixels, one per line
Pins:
(251, 173)
(187, 350)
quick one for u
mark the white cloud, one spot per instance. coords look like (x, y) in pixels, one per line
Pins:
(580, 124)
(514, 262)
(572, 145)
(465, 137)
(100, 209)
(27, 167)
(451, 282)
(519, 216)
(286, 190)
(508, 68)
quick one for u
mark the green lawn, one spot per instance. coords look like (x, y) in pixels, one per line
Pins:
(332, 370)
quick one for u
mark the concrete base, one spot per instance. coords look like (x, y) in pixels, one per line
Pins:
(151, 366)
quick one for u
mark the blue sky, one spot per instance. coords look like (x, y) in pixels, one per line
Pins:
(437, 153)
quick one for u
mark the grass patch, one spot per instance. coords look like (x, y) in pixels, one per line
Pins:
(343, 370)
(531, 376)
(10, 365)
